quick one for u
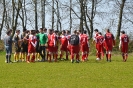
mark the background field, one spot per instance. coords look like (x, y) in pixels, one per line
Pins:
(64, 74)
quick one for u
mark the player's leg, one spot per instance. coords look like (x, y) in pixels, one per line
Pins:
(72, 54)
(66, 55)
(106, 55)
(77, 50)
(55, 56)
(98, 55)
(126, 56)
(61, 54)
(28, 58)
(82, 52)
(7, 51)
(41, 53)
(83, 56)
(33, 57)
(98, 52)
(109, 56)
(87, 53)
(49, 57)
(125, 53)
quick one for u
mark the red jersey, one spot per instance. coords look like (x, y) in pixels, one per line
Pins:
(84, 39)
(124, 40)
(68, 38)
(99, 43)
(80, 35)
(56, 39)
(109, 39)
(95, 36)
(32, 43)
(99, 40)
(51, 40)
(64, 40)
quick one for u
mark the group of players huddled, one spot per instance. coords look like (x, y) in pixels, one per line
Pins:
(35, 43)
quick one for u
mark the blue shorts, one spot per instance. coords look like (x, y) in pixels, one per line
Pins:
(8, 50)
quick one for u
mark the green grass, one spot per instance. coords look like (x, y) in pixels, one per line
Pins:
(64, 74)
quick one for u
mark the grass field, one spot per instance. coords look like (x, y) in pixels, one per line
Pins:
(64, 74)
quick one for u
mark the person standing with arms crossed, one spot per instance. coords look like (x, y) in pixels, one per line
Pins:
(109, 44)
(8, 46)
(123, 45)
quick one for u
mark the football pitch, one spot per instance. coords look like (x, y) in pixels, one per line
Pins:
(64, 74)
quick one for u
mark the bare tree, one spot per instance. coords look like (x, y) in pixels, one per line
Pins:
(43, 5)
(58, 16)
(120, 17)
(70, 15)
(16, 9)
(36, 19)
(23, 17)
(3, 17)
(53, 11)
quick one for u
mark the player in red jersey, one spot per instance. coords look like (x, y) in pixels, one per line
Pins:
(32, 41)
(99, 46)
(63, 44)
(68, 35)
(84, 41)
(109, 43)
(79, 33)
(123, 45)
(95, 35)
(51, 44)
(55, 55)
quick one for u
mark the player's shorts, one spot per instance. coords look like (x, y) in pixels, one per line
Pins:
(31, 50)
(63, 48)
(24, 50)
(8, 49)
(51, 48)
(108, 47)
(56, 49)
(84, 48)
(100, 48)
(124, 49)
(17, 49)
(75, 49)
(37, 49)
(69, 48)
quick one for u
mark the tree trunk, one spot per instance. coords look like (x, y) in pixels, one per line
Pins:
(120, 19)
(15, 21)
(53, 14)
(24, 16)
(81, 15)
(70, 15)
(85, 21)
(57, 24)
(43, 3)
(36, 20)
(86, 25)
(3, 17)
